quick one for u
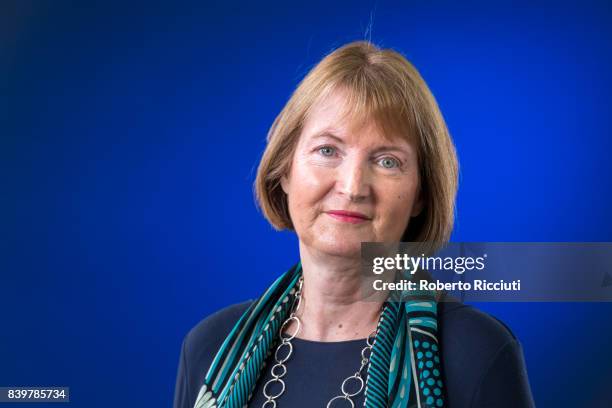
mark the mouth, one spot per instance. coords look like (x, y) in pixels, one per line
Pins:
(350, 217)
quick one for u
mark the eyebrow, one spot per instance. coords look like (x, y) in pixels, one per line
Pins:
(327, 134)
(385, 148)
(391, 148)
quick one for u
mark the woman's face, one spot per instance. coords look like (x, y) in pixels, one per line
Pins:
(348, 184)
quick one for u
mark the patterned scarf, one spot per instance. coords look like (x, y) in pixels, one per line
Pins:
(404, 369)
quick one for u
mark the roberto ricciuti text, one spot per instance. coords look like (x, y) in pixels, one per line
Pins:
(423, 284)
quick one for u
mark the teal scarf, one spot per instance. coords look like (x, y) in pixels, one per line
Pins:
(404, 369)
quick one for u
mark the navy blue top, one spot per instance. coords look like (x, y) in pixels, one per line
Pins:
(482, 362)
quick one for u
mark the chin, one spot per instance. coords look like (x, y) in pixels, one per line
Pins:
(340, 246)
(335, 241)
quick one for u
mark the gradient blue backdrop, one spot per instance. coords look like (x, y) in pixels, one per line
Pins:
(130, 134)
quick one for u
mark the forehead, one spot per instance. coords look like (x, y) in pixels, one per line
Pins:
(344, 112)
(330, 110)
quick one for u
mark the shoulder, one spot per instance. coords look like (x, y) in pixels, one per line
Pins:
(471, 329)
(205, 338)
(480, 353)
(199, 349)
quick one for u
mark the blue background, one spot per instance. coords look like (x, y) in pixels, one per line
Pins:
(130, 136)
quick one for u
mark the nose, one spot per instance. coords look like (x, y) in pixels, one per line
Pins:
(354, 180)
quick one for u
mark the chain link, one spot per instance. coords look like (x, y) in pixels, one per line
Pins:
(279, 370)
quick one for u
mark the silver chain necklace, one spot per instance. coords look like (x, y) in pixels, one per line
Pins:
(279, 370)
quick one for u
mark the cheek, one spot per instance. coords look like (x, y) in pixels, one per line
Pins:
(309, 185)
(399, 201)
(309, 181)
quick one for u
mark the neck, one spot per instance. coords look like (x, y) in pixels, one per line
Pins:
(336, 304)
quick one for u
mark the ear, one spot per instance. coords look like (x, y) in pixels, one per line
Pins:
(418, 206)
(284, 182)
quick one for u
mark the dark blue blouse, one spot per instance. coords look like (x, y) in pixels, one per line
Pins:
(482, 361)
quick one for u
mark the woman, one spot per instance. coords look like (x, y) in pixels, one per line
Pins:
(359, 153)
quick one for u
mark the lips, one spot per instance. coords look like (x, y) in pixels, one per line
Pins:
(348, 216)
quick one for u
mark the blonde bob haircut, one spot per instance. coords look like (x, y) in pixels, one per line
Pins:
(382, 86)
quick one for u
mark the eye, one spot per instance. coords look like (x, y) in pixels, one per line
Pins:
(327, 151)
(389, 162)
